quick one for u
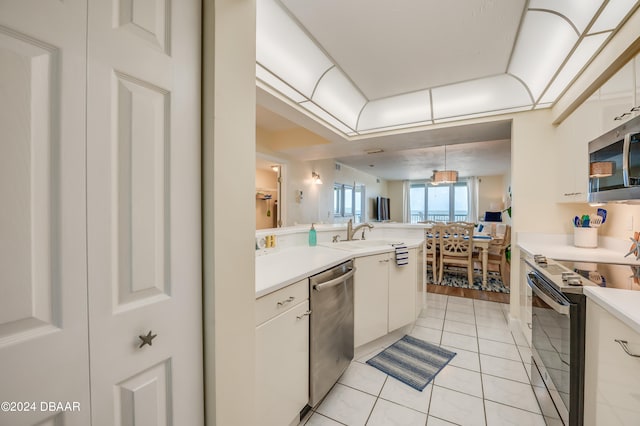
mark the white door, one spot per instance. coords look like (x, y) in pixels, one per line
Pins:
(43, 285)
(143, 189)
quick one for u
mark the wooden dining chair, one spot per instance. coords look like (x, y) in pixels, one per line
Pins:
(431, 248)
(497, 254)
(456, 248)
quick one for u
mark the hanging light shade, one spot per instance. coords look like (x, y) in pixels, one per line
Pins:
(600, 169)
(445, 176)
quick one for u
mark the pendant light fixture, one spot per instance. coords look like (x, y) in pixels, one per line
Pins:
(445, 176)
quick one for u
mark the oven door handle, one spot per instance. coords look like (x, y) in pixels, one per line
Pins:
(559, 308)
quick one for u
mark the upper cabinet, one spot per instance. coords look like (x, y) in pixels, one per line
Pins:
(617, 101)
(617, 97)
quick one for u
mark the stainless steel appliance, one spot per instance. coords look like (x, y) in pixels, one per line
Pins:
(331, 328)
(558, 333)
(614, 164)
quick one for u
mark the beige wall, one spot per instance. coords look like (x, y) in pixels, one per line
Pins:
(228, 151)
(396, 195)
(491, 189)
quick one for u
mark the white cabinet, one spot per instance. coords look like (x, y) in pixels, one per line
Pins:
(615, 102)
(402, 290)
(371, 297)
(612, 377)
(282, 355)
(617, 97)
(384, 295)
(526, 299)
(573, 151)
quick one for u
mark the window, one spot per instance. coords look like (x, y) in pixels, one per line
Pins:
(348, 201)
(448, 203)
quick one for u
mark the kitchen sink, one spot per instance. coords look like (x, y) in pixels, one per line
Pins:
(355, 245)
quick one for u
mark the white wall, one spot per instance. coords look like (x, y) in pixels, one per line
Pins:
(374, 187)
(316, 204)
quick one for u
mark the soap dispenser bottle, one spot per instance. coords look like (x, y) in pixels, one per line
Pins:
(312, 236)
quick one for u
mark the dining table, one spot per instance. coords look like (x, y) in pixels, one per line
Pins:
(483, 242)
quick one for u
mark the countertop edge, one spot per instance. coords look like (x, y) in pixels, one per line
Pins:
(603, 298)
(345, 256)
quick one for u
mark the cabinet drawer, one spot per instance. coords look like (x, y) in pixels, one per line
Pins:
(279, 301)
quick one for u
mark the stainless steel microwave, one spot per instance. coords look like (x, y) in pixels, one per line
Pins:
(614, 164)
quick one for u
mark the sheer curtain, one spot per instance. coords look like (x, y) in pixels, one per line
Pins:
(406, 198)
(472, 188)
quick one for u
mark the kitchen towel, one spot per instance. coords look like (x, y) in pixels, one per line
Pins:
(402, 255)
(412, 361)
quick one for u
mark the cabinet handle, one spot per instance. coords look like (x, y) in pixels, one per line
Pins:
(624, 343)
(529, 325)
(306, 314)
(284, 302)
(383, 261)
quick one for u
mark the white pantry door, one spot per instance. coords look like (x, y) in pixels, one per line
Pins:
(143, 190)
(43, 281)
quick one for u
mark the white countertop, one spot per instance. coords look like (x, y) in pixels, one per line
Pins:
(286, 266)
(623, 304)
(560, 247)
(277, 270)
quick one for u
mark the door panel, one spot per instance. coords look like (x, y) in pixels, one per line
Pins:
(43, 302)
(144, 212)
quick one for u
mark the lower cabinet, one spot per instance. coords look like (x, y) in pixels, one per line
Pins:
(371, 298)
(612, 377)
(526, 299)
(282, 355)
(402, 292)
(384, 295)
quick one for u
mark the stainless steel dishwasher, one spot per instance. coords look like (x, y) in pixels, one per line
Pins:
(331, 328)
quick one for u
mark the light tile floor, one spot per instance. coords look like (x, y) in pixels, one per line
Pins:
(486, 383)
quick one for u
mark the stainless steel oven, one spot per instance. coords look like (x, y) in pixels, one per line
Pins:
(558, 329)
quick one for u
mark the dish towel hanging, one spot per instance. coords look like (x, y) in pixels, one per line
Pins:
(402, 255)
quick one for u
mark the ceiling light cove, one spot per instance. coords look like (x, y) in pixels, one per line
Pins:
(305, 58)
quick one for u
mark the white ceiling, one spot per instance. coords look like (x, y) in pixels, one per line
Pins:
(346, 70)
(388, 48)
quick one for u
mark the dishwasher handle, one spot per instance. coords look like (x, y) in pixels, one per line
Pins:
(334, 282)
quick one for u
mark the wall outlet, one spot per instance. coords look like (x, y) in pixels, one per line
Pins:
(630, 223)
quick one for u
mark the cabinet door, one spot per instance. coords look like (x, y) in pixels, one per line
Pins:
(526, 299)
(616, 97)
(370, 298)
(282, 366)
(612, 377)
(402, 291)
(573, 150)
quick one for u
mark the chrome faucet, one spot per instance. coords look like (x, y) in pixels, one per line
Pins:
(351, 230)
